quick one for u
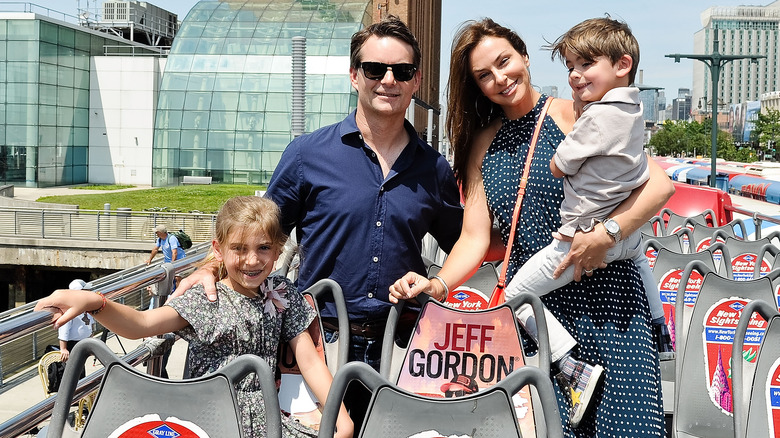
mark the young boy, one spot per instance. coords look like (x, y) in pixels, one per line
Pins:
(601, 160)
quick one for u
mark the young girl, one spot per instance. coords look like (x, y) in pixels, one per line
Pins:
(254, 312)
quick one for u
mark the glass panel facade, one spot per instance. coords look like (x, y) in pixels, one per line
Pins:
(44, 109)
(225, 99)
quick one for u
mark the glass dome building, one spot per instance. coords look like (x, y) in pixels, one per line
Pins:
(225, 101)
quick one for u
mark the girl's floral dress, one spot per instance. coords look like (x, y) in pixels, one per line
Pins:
(234, 325)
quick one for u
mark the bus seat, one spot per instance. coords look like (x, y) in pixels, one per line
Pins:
(394, 412)
(755, 376)
(129, 400)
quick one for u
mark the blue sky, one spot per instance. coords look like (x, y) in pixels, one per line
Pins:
(661, 27)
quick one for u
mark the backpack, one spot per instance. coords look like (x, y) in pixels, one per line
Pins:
(184, 239)
(54, 374)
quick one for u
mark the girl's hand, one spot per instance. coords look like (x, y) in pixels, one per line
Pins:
(66, 304)
(409, 286)
(587, 253)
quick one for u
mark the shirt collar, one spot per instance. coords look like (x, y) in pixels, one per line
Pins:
(349, 129)
(629, 95)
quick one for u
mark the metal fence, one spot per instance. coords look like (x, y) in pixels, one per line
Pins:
(103, 225)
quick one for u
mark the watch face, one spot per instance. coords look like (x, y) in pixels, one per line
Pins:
(612, 226)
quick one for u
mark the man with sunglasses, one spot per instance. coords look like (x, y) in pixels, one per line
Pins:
(362, 193)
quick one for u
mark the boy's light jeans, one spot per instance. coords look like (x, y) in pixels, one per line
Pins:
(536, 277)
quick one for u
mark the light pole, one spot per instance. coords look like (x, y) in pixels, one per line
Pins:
(715, 61)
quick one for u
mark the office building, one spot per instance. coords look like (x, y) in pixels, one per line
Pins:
(741, 30)
(50, 98)
(682, 105)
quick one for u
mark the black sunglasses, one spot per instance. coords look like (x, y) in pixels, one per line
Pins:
(456, 393)
(377, 70)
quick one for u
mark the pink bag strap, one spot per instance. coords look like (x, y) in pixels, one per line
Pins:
(521, 191)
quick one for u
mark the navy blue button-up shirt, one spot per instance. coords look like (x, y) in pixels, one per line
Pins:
(355, 226)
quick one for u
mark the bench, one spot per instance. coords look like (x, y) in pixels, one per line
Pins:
(188, 179)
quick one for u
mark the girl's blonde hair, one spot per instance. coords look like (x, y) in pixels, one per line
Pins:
(250, 214)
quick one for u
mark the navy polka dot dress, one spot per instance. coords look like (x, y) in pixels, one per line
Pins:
(607, 313)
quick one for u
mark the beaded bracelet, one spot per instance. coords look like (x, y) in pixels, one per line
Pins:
(443, 283)
(102, 306)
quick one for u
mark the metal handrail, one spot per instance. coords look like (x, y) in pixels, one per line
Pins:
(758, 218)
(40, 412)
(113, 287)
(16, 323)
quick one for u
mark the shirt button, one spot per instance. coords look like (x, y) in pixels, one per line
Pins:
(371, 295)
(373, 154)
(376, 259)
(378, 223)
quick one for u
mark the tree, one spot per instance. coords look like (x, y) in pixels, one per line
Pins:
(767, 129)
(692, 138)
(687, 138)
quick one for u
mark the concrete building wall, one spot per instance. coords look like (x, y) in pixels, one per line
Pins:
(123, 99)
(770, 101)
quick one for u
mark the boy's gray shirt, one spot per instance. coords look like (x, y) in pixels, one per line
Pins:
(603, 158)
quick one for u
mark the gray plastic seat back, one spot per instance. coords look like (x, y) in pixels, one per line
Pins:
(703, 398)
(127, 396)
(653, 227)
(677, 242)
(394, 412)
(485, 344)
(336, 353)
(668, 271)
(744, 256)
(755, 377)
(474, 293)
(675, 222)
(703, 233)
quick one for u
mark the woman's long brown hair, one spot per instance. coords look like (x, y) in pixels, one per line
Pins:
(468, 110)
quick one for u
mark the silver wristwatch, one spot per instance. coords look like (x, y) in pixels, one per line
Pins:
(612, 228)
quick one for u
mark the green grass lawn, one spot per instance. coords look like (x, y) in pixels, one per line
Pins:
(204, 198)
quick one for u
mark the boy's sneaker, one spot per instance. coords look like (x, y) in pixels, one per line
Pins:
(587, 379)
(663, 342)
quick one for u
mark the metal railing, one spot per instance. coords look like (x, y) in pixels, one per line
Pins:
(758, 218)
(24, 333)
(37, 9)
(101, 225)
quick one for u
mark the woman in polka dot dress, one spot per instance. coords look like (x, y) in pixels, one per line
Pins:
(492, 113)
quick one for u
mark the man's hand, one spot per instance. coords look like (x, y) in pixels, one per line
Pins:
(205, 275)
(64, 354)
